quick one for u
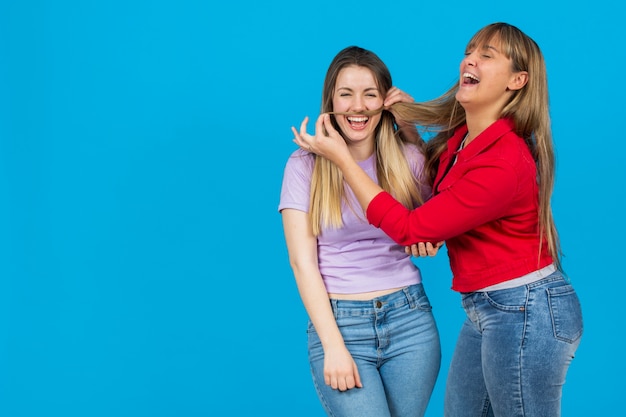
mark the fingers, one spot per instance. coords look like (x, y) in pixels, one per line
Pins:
(296, 135)
(423, 249)
(319, 124)
(299, 137)
(303, 125)
(418, 249)
(434, 249)
(344, 381)
(395, 95)
(357, 377)
(323, 129)
(330, 129)
(344, 384)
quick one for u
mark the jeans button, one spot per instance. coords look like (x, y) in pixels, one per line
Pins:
(378, 304)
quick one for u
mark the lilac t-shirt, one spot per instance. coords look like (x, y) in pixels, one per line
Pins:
(357, 257)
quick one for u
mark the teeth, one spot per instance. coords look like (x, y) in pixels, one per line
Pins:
(469, 75)
(357, 119)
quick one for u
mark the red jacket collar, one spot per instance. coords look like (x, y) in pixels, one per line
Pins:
(488, 136)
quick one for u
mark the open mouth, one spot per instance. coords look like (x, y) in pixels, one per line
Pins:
(357, 122)
(469, 78)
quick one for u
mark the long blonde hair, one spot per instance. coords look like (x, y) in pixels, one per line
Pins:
(392, 168)
(528, 107)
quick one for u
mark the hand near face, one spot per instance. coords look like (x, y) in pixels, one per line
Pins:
(326, 141)
(407, 129)
(395, 95)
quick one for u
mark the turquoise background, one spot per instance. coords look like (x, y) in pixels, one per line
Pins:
(143, 270)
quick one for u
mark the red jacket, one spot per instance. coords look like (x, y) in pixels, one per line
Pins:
(485, 208)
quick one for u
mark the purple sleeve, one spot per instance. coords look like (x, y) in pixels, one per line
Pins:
(296, 186)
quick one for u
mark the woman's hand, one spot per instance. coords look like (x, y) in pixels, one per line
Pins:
(340, 370)
(326, 141)
(395, 95)
(407, 130)
(423, 250)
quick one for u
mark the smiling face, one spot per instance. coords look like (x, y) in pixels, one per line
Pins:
(356, 91)
(487, 81)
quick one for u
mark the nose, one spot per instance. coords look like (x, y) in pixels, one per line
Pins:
(470, 59)
(358, 103)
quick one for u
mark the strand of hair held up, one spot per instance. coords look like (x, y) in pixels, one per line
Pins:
(363, 113)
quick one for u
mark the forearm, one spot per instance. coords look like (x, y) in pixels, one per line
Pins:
(480, 196)
(315, 299)
(333, 147)
(302, 248)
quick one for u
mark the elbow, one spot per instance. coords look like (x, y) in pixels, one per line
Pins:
(301, 264)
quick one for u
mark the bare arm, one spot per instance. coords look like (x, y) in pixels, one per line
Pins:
(340, 371)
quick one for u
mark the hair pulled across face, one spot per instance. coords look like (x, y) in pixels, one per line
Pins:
(357, 56)
(392, 168)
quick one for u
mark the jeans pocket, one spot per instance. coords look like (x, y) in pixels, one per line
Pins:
(567, 318)
(423, 303)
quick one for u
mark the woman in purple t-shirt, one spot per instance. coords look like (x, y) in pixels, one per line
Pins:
(372, 339)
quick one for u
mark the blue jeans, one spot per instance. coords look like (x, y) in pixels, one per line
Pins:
(395, 343)
(514, 350)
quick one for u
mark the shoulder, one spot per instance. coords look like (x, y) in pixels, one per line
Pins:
(412, 151)
(514, 150)
(300, 160)
(414, 155)
(297, 181)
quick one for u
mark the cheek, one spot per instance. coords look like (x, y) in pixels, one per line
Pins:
(375, 120)
(340, 105)
(376, 103)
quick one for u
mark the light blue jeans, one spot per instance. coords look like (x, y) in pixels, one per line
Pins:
(514, 350)
(395, 343)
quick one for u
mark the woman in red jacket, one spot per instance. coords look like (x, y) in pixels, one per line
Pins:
(492, 162)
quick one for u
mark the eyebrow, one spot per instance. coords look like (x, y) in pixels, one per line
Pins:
(350, 89)
(491, 47)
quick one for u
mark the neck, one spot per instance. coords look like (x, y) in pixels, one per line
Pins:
(480, 116)
(477, 124)
(362, 150)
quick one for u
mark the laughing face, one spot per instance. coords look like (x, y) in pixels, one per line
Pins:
(356, 92)
(487, 80)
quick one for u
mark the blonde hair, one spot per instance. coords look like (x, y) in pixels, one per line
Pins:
(528, 108)
(392, 168)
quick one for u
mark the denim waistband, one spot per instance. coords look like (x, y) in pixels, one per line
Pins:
(553, 277)
(407, 295)
(534, 276)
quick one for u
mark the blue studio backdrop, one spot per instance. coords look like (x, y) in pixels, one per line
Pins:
(143, 269)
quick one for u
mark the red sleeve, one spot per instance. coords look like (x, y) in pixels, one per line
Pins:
(481, 195)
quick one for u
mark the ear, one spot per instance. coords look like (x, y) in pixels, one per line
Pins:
(518, 80)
